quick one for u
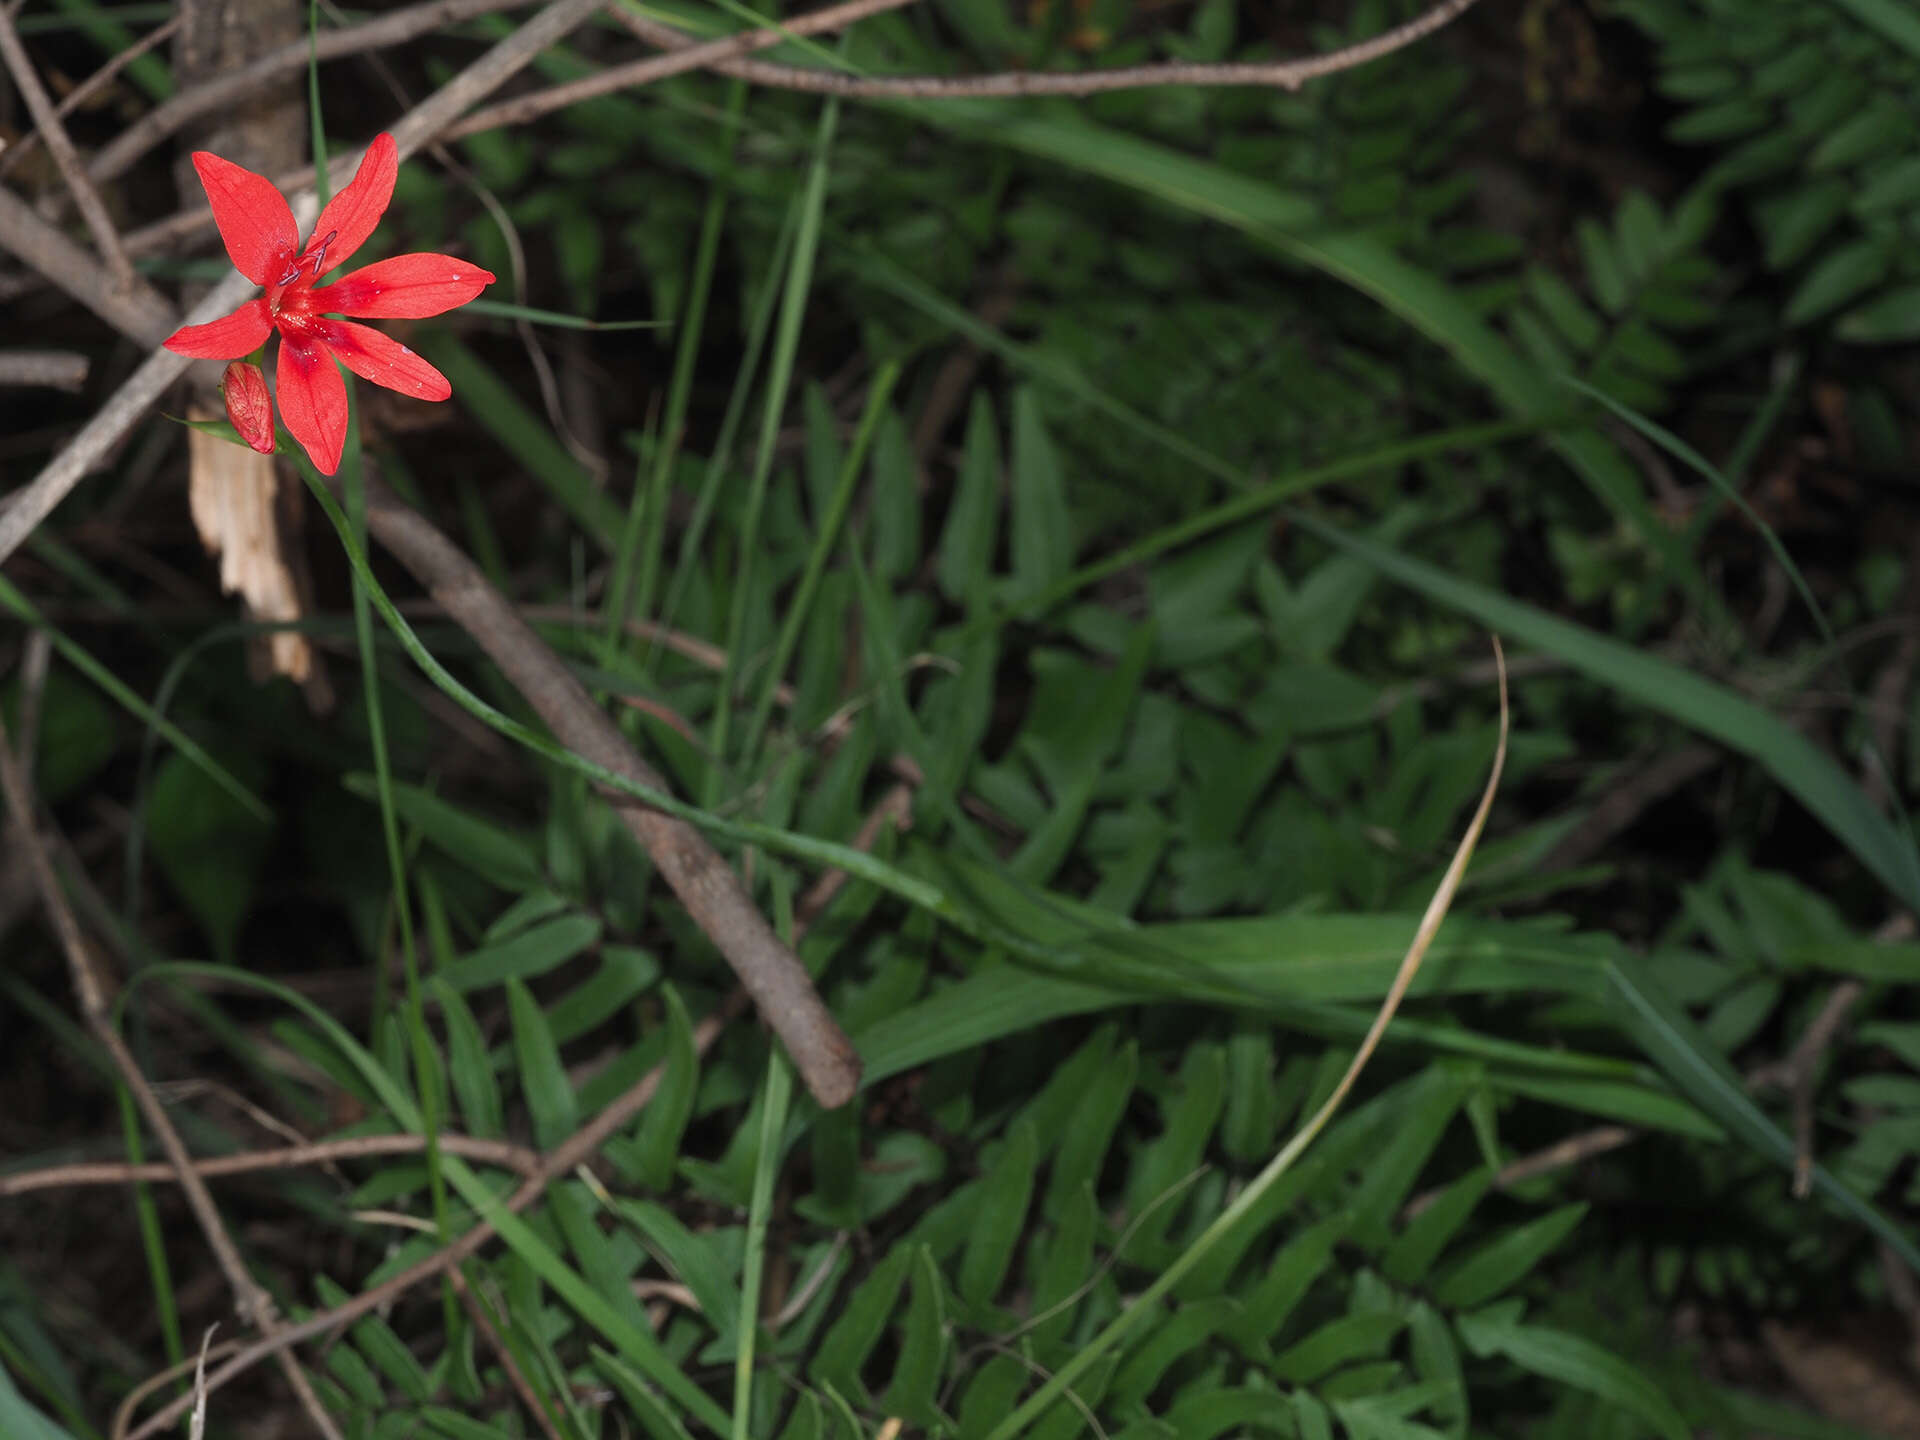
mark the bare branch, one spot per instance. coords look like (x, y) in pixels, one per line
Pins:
(88, 88)
(250, 1298)
(709, 54)
(1279, 74)
(92, 209)
(705, 883)
(576, 1148)
(55, 369)
(135, 309)
(320, 1152)
(167, 119)
(573, 1151)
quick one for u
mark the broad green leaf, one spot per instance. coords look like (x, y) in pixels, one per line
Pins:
(1571, 1360)
(655, 1418)
(1188, 1327)
(914, 1388)
(543, 1080)
(1272, 1298)
(695, 1262)
(470, 1071)
(967, 541)
(208, 845)
(1807, 772)
(595, 1254)
(861, 1323)
(485, 848)
(1392, 1170)
(456, 1426)
(664, 1121)
(1412, 1253)
(1084, 1142)
(1041, 526)
(530, 953)
(21, 1419)
(385, 1350)
(624, 974)
(1365, 1335)
(1504, 1261)
(1000, 1217)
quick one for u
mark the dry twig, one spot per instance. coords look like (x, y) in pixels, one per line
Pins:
(88, 88)
(55, 369)
(126, 148)
(320, 1152)
(134, 309)
(1799, 1072)
(92, 209)
(255, 1306)
(516, 1377)
(704, 882)
(570, 1153)
(1016, 84)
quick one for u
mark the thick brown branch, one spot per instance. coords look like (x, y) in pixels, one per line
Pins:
(705, 883)
(135, 309)
(575, 1150)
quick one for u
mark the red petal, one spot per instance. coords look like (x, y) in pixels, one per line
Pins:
(248, 405)
(313, 401)
(407, 287)
(255, 223)
(382, 359)
(229, 337)
(351, 215)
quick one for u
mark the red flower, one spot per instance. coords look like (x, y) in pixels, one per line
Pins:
(248, 405)
(257, 228)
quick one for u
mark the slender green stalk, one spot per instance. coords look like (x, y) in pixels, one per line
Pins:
(759, 326)
(823, 543)
(786, 344)
(773, 1123)
(679, 392)
(152, 1240)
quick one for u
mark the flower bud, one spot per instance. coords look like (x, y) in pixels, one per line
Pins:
(248, 405)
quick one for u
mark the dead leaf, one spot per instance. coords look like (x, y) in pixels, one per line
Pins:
(232, 493)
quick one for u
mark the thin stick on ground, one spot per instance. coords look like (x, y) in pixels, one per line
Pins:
(477, 1312)
(255, 1306)
(1012, 84)
(725, 55)
(1798, 1074)
(575, 1150)
(293, 1157)
(134, 309)
(168, 118)
(684, 56)
(66, 159)
(55, 369)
